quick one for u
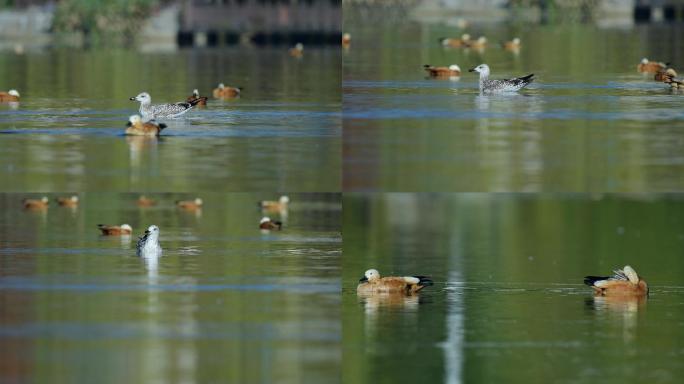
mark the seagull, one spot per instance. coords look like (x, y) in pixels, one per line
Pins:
(505, 85)
(148, 244)
(149, 111)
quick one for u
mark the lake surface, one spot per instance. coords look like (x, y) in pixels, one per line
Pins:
(67, 131)
(508, 304)
(589, 122)
(225, 302)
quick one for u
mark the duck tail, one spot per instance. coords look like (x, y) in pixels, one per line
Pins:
(590, 280)
(196, 101)
(424, 281)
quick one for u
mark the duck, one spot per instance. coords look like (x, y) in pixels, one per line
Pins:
(297, 50)
(144, 201)
(454, 42)
(451, 71)
(647, 66)
(480, 43)
(9, 96)
(371, 282)
(41, 203)
(71, 201)
(267, 223)
(115, 230)
(674, 82)
(274, 206)
(513, 45)
(190, 205)
(346, 40)
(226, 92)
(663, 74)
(202, 100)
(136, 127)
(624, 282)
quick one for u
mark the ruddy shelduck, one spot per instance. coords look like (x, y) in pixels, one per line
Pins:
(280, 205)
(451, 71)
(663, 75)
(512, 45)
(346, 40)
(647, 66)
(41, 203)
(674, 82)
(267, 223)
(454, 42)
(226, 92)
(624, 282)
(144, 201)
(371, 282)
(136, 127)
(201, 100)
(9, 96)
(115, 230)
(480, 43)
(297, 50)
(190, 205)
(71, 201)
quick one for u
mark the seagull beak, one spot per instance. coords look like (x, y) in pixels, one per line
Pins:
(132, 98)
(472, 70)
(129, 124)
(363, 279)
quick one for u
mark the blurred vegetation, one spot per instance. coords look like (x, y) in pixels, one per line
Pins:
(560, 10)
(102, 17)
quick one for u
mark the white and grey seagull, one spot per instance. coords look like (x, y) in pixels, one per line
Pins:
(504, 85)
(148, 244)
(149, 111)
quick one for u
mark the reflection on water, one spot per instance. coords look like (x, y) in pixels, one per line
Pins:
(67, 132)
(589, 122)
(508, 292)
(223, 303)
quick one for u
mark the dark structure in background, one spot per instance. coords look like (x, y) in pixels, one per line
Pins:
(263, 22)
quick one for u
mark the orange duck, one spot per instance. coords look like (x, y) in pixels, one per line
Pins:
(624, 282)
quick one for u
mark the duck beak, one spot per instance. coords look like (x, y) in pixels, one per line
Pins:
(363, 279)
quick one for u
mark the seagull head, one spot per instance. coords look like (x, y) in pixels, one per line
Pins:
(152, 231)
(143, 98)
(483, 69)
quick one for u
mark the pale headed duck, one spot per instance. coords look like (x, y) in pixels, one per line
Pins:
(115, 230)
(11, 95)
(144, 201)
(190, 205)
(137, 127)
(68, 201)
(454, 42)
(624, 282)
(201, 100)
(41, 203)
(480, 43)
(647, 66)
(371, 282)
(267, 223)
(280, 205)
(513, 45)
(226, 92)
(451, 71)
(297, 50)
(346, 40)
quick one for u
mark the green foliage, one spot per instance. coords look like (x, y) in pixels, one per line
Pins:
(118, 17)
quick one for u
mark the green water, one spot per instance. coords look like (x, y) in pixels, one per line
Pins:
(225, 302)
(67, 131)
(508, 304)
(588, 123)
